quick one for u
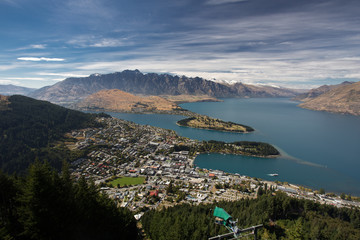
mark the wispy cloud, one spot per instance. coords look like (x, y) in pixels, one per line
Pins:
(38, 46)
(7, 67)
(7, 82)
(86, 41)
(32, 46)
(284, 43)
(218, 2)
(13, 3)
(62, 74)
(27, 78)
(108, 42)
(39, 59)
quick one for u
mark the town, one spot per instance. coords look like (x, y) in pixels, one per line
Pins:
(144, 167)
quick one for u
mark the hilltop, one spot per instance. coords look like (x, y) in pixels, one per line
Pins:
(29, 127)
(313, 93)
(118, 101)
(343, 99)
(74, 89)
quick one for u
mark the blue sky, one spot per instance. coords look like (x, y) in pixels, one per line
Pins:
(288, 43)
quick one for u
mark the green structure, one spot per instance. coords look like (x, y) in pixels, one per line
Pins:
(221, 216)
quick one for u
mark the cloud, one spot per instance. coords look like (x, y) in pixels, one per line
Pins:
(62, 74)
(26, 78)
(7, 67)
(38, 46)
(218, 2)
(108, 42)
(13, 3)
(38, 59)
(7, 82)
(32, 46)
(98, 42)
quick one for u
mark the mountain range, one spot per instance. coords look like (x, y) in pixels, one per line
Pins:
(74, 89)
(343, 98)
(12, 90)
(313, 93)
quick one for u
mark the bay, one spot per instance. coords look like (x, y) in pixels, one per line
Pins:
(319, 149)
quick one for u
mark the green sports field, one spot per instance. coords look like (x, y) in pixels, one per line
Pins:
(128, 181)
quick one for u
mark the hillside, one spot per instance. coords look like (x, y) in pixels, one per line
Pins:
(116, 100)
(247, 90)
(12, 90)
(135, 82)
(283, 217)
(47, 205)
(344, 99)
(313, 93)
(29, 126)
(4, 103)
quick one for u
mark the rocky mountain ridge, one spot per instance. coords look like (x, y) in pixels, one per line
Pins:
(342, 99)
(135, 82)
(313, 93)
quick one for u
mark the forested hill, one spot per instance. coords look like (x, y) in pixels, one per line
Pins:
(283, 218)
(28, 126)
(46, 205)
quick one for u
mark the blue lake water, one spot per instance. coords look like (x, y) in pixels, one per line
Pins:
(320, 150)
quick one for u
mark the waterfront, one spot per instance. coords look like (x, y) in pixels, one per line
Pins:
(320, 149)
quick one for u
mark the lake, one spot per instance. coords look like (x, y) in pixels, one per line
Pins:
(319, 149)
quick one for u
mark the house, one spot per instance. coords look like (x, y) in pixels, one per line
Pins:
(154, 193)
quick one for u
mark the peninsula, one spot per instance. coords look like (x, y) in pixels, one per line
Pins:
(205, 122)
(257, 149)
(115, 100)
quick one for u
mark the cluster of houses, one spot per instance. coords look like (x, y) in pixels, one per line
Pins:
(122, 148)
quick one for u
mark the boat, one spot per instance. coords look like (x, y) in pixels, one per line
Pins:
(273, 174)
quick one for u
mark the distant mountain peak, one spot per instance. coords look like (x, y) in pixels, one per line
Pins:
(313, 93)
(133, 81)
(11, 89)
(95, 75)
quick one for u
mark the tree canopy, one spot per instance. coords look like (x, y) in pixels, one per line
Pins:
(48, 205)
(28, 127)
(283, 218)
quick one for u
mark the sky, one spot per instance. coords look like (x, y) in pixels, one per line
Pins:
(287, 43)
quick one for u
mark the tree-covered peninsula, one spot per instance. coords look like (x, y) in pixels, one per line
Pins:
(205, 122)
(258, 149)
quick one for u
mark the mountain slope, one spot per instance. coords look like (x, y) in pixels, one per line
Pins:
(344, 99)
(246, 90)
(75, 89)
(117, 100)
(313, 93)
(12, 89)
(28, 125)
